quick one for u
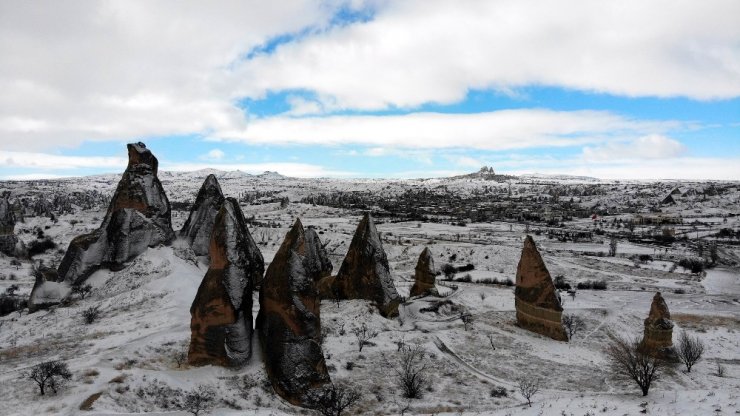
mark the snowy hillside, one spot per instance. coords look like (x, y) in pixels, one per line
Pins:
(129, 360)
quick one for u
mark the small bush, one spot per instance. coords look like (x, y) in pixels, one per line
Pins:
(561, 284)
(499, 391)
(467, 278)
(695, 265)
(40, 246)
(10, 304)
(592, 285)
(91, 314)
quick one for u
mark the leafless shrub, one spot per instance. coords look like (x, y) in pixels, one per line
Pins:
(633, 361)
(613, 246)
(528, 387)
(467, 320)
(181, 356)
(91, 314)
(82, 290)
(689, 350)
(411, 371)
(363, 335)
(198, 400)
(720, 370)
(573, 324)
(333, 399)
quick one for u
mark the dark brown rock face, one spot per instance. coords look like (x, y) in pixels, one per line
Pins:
(658, 326)
(289, 321)
(8, 240)
(319, 266)
(221, 314)
(424, 278)
(138, 217)
(538, 307)
(365, 274)
(198, 227)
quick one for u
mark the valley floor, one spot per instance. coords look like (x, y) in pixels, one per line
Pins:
(128, 355)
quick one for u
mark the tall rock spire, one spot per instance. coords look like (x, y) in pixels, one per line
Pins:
(365, 274)
(289, 321)
(138, 217)
(424, 276)
(221, 313)
(538, 307)
(197, 229)
(658, 336)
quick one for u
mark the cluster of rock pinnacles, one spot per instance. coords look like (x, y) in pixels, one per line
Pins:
(288, 322)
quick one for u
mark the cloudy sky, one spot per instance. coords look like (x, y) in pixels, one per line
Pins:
(420, 88)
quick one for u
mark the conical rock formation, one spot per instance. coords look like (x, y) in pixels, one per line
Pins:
(138, 217)
(197, 229)
(658, 326)
(221, 313)
(289, 322)
(538, 307)
(365, 274)
(424, 276)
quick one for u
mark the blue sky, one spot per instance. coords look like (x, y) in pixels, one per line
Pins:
(374, 88)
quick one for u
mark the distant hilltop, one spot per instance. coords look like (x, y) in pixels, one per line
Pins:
(485, 173)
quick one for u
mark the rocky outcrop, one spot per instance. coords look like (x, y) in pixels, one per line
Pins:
(424, 276)
(46, 290)
(538, 306)
(138, 217)
(221, 313)
(658, 334)
(364, 273)
(8, 239)
(320, 266)
(198, 227)
(289, 322)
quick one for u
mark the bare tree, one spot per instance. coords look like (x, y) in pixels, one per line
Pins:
(333, 399)
(613, 246)
(490, 339)
(573, 324)
(198, 400)
(49, 374)
(467, 320)
(181, 356)
(411, 371)
(632, 360)
(363, 335)
(82, 290)
(528, 387)
(689, 350)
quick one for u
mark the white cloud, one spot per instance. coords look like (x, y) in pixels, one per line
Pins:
(421, 51)
(498, 130)
(644, 169)
(468, 162)
(34, 160)
(653, 146)
(79, 70)
(214, 154)
(298, 170)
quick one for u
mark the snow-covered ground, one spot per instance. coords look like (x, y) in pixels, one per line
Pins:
(128, 354)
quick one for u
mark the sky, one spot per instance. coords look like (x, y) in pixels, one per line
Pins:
(634, 89)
